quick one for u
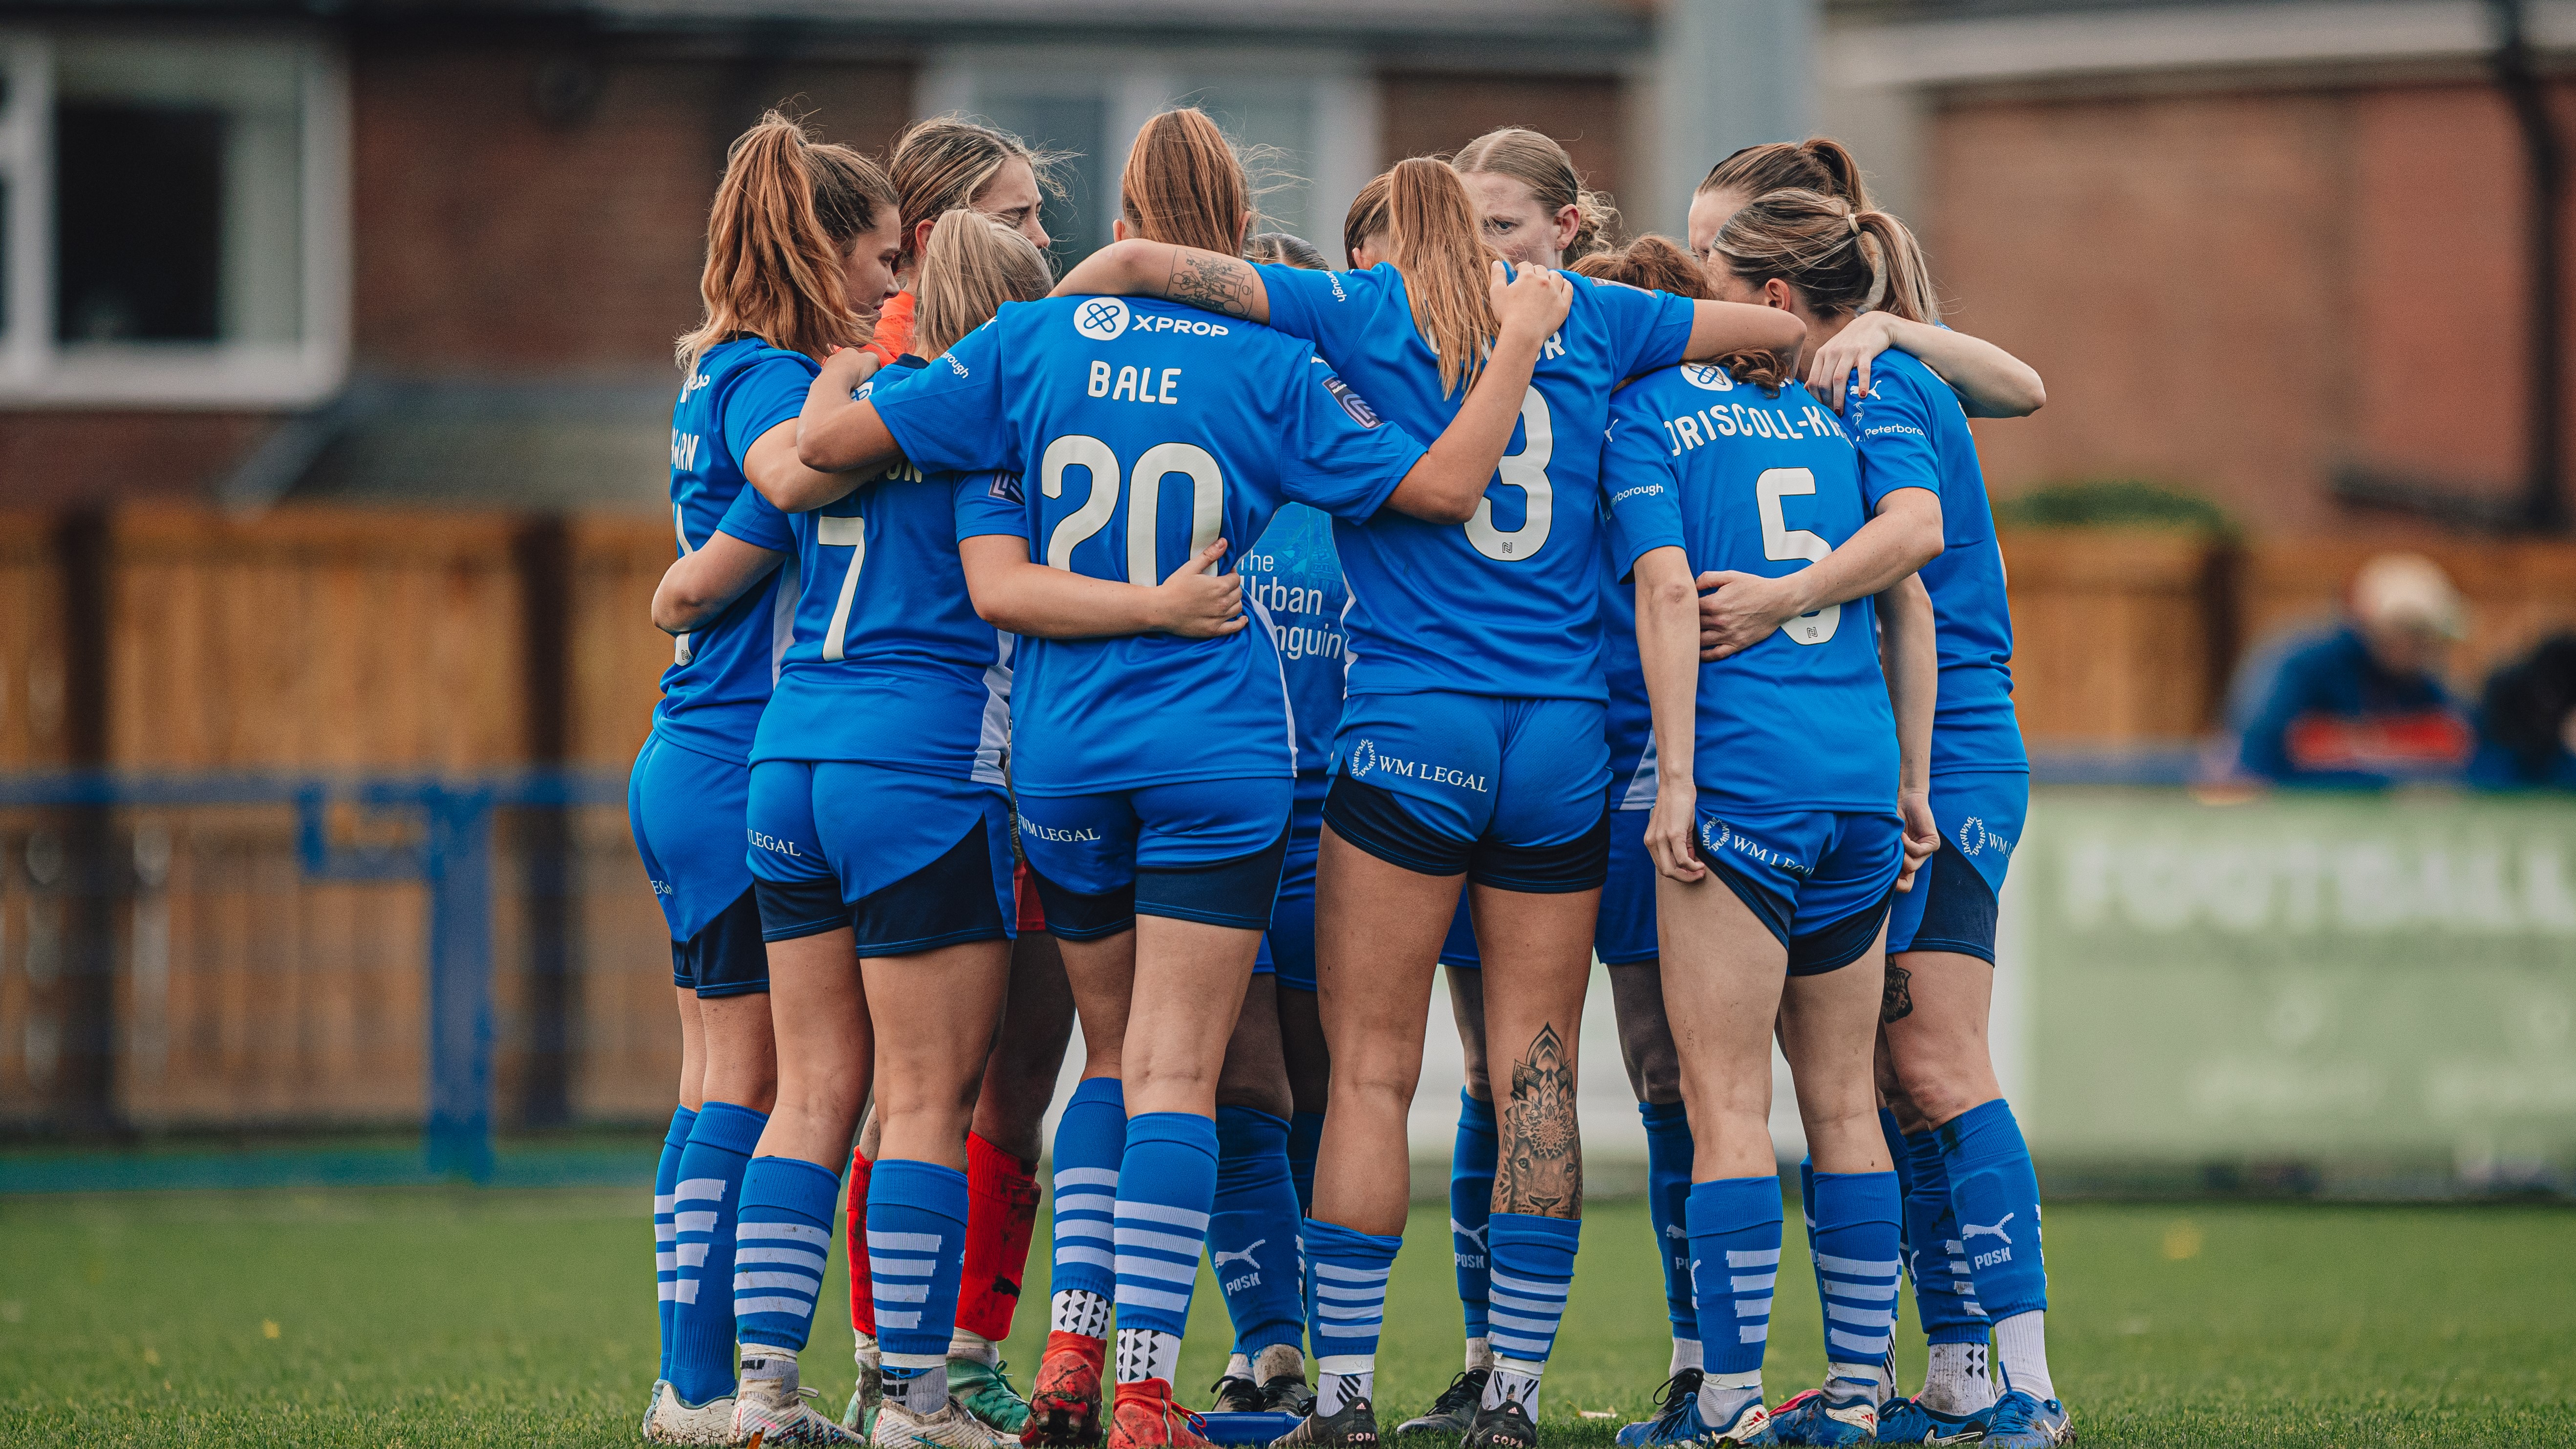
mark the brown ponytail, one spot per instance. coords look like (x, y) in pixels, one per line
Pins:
(1819, 163)
(1841, 260)
(1185, 184)
(785, 212)
(1433, 239)
(1660, 264)
(972, 266)
(1537, 162)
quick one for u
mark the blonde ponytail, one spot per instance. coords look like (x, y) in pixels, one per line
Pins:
(972, 265)
(1433, 239)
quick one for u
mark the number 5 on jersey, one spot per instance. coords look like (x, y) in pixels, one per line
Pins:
(1781, 542)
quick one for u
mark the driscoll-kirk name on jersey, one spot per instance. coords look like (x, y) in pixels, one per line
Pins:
(1726, 420)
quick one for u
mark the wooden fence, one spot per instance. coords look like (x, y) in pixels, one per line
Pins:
(173, 967)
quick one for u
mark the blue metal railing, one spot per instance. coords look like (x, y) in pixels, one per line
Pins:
(452, 856)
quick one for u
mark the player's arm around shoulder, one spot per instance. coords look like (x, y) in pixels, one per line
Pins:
(1139, 268)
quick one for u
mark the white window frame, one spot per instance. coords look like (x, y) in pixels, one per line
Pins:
(37, 372)
(1138, 83)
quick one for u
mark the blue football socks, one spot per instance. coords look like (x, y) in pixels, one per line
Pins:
(1533, 1270)
(1854, 1248)
(1995, 1191)
(1347, 1271)
(780, 1245)
(1252, 1234)
(1305, 1137)
(1734, 1225)
(1668, 1191)
(916, 1247)
(666, 1233)
(705, 1198)
(1166, 1185)
(1471, 1204)
(1090, 1138)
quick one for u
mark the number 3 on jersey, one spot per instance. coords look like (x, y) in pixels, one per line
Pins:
(1144, 499)
(1525, 470)
(1781, 542)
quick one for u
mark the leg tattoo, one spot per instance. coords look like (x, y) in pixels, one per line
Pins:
(1540, 1167)
(1898, 1003)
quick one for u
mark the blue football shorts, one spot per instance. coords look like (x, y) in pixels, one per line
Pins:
(1197, 850)
(686, 810)
(1953, 904)
(908, 861)
(1509, 792)
(1818, 880)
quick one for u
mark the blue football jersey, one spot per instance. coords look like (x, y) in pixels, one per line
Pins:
(1144, 431)
(1913, 434)
(1761, 485)
(1508, 602)
(721, 672)
(889, 663)
(1292, 581)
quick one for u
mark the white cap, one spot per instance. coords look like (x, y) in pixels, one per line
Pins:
(2396, 590)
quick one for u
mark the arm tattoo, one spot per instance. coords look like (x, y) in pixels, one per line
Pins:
(1220, 284)
(1540, 1167)
(1898, 1003)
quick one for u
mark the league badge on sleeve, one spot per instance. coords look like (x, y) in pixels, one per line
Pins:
(1352, 403)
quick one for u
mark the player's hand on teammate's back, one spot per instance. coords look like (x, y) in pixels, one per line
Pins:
(1739, 610)
(1922, 834)
(1533, 303)
(1846, 352)
(1198, 603)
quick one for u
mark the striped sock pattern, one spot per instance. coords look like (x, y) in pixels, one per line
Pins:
(666, 1233)
(1471, 1205)
(1347, 1273)
(1166, 1186)
(1945, 1297)
(1533, 1270)
(1857, 1268)
(1090, 1139)
(916, 1245)
(704, 1198)
(781, 1244)
(1735, 1266)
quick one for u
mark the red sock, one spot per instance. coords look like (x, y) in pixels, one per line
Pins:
(1001, 1212)
(863, 1294)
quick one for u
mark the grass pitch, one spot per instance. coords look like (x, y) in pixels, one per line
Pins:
(437, 1318)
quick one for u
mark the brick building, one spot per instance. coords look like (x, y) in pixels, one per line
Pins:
(437, 251)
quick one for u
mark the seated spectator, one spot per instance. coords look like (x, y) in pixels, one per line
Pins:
(2363, 706)
(2527, 721)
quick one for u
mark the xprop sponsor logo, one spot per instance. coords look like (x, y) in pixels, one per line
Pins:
(1102, 319)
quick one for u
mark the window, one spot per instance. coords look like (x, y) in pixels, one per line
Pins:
(1317, 110)
(173, 226)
